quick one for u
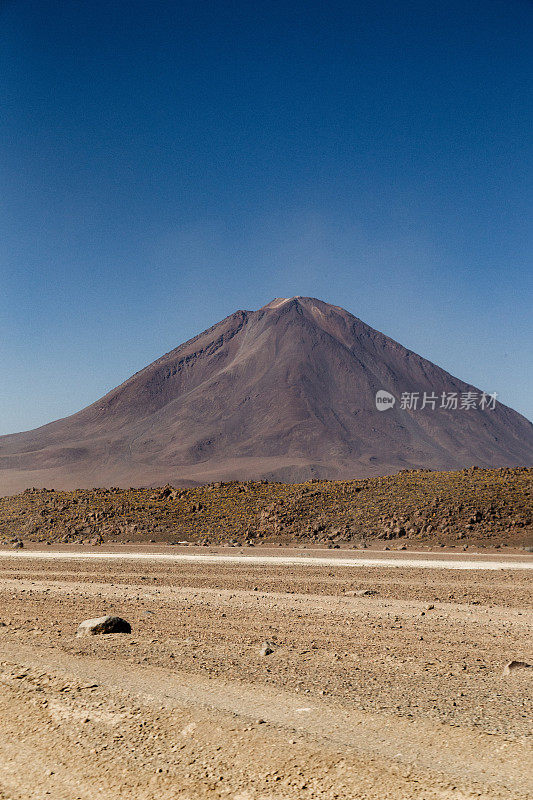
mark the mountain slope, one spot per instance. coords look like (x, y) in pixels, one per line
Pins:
(285, 392)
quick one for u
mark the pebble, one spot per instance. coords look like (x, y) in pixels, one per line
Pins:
(267, 648)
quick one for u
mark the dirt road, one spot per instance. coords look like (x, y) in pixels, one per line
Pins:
(382, 683)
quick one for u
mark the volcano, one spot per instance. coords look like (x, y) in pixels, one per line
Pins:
(285, 393)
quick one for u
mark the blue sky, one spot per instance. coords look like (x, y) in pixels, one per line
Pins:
(165, 163)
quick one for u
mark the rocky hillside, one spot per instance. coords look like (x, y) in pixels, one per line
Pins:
(478, 506)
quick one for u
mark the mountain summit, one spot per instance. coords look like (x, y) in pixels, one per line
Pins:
(287, 392)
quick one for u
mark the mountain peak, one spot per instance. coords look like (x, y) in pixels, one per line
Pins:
(299, 299)
(287, 392)
(276, 303)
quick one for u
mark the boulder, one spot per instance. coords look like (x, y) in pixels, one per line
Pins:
(107, 624)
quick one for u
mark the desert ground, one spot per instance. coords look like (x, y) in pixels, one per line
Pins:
(385, 680)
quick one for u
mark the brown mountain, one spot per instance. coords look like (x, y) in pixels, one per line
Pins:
(287, 393)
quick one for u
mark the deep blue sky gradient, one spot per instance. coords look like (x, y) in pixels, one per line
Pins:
(165, 163)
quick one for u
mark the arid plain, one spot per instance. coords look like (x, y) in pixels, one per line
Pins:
(250, 680)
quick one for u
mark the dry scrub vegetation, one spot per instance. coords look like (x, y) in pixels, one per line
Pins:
(472, 506)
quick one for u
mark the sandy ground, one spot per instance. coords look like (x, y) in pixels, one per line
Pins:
(396, 693)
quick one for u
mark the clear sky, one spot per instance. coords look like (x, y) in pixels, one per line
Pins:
(163, 164)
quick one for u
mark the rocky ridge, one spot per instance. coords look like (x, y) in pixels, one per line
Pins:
(478, 506)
